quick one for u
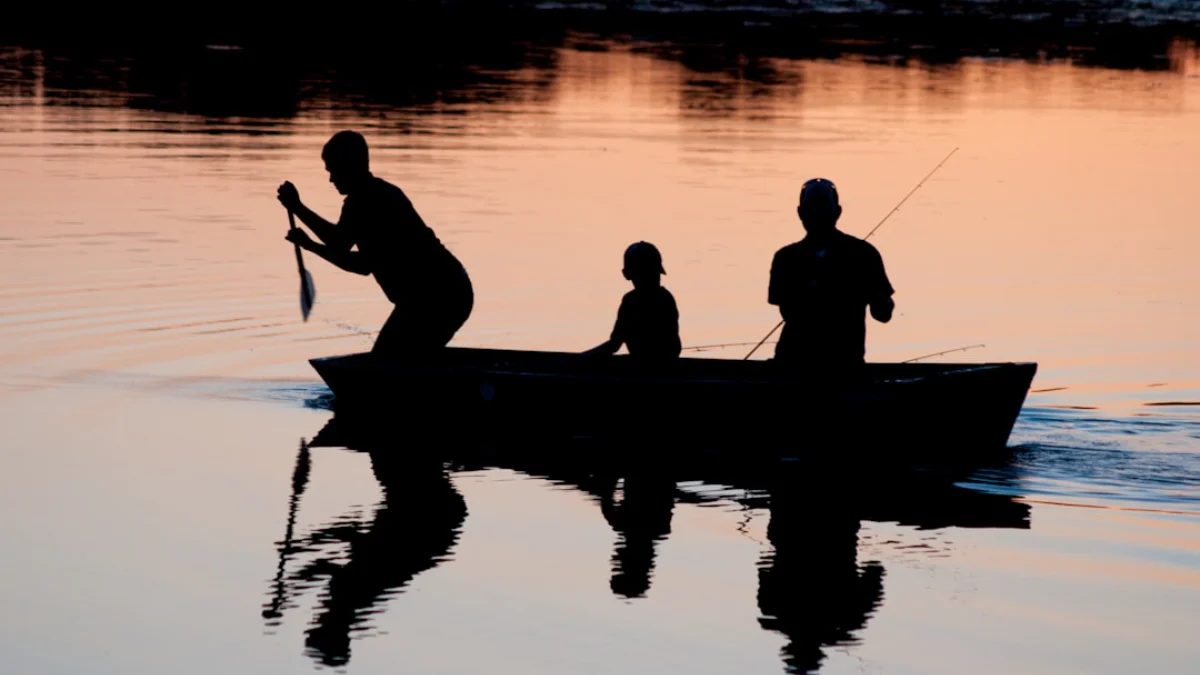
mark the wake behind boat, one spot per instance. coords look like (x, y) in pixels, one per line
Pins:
(939, 407)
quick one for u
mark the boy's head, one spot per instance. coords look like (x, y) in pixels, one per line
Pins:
(347, 160)
(643, 263)
(819, 208)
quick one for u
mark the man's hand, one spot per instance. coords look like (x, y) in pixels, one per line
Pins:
(882, 309)
(300, 237)
(289, 197)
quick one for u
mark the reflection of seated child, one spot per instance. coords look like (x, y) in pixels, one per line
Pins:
(648, 320)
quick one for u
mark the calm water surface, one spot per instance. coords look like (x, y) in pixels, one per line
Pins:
(155, 395)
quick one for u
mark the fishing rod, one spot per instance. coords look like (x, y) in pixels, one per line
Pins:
(700, 348)
(948, 351)
(889, 215)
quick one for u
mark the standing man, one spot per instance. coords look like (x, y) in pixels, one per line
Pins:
(429, 287)
(823, 285)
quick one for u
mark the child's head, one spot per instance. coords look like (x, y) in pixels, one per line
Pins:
(643, 264)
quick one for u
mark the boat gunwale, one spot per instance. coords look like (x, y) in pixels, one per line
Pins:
(934, 371)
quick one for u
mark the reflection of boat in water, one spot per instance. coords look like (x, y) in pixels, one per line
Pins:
(935, 406)
(812, 588)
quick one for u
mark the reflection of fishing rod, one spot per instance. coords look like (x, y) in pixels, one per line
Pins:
(299, 482)
(948, 351)
(889, 215)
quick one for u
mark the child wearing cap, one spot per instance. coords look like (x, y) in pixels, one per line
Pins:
(648, 319)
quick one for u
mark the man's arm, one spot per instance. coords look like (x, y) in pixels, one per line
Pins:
(880, 299)
(882, 308)
(775, 283)
(778, 286)
(326, 231)
(351, 261)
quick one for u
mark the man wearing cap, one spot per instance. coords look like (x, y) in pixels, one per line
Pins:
(648, 319)
(823, 285)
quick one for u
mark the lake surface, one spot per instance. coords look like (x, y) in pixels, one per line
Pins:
(156, 401)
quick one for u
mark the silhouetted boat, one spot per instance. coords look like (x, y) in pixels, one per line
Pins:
(932, 406)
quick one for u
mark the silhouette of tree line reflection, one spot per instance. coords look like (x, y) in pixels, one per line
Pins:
(812, 588)
(466, 53)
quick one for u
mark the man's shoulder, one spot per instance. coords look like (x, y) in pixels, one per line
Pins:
(787, 256)
(861, 247)
(847, 239)
(389, 188)
(380, 191)
(790, 249)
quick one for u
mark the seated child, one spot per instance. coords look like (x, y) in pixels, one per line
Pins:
(648, 320)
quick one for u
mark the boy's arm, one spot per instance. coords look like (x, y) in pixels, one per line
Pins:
(614, 342)
(606, 348)
(611, 345)
(676, 342)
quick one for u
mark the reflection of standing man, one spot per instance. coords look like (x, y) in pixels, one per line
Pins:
(415, 527)
(810, 588)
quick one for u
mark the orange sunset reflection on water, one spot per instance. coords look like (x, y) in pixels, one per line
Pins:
(154, 375)
(1061, 231)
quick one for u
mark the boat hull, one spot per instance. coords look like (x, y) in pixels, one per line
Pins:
(745, 406)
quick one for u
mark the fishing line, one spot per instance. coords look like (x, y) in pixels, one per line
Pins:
(351, 327)
(700, 348)
(948, 351)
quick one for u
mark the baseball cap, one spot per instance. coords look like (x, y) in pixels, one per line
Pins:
(643, 256)
(820, 192)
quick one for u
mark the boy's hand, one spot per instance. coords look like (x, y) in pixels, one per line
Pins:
(289, 196)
